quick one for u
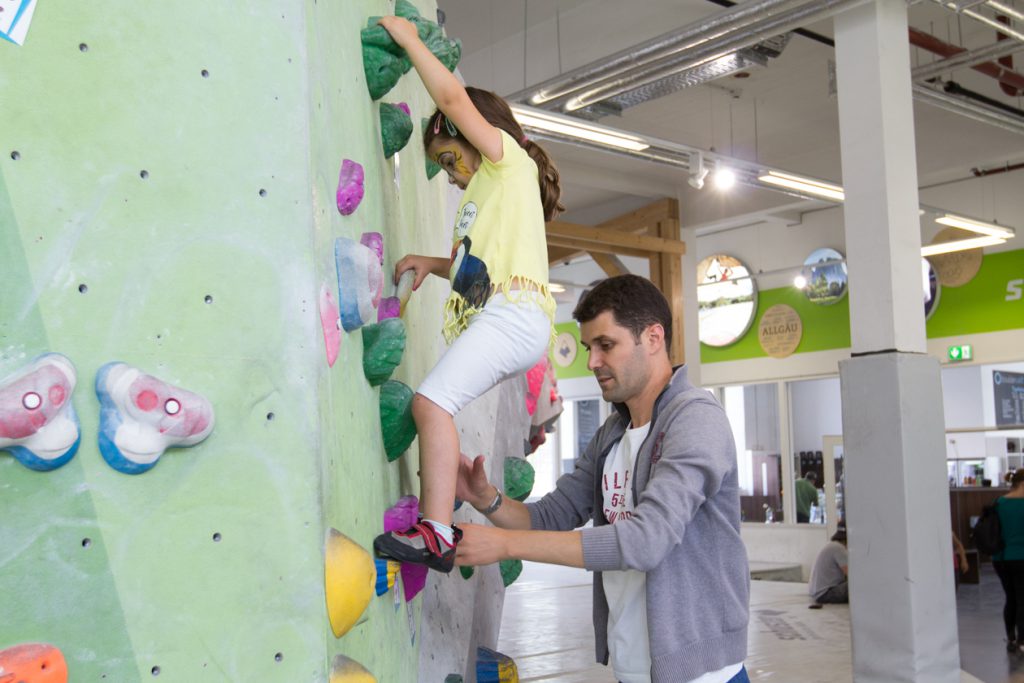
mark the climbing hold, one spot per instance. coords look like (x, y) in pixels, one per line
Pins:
(395, 128)
(330, 324)
(360, 282)
(386, 571)
(33, 663)
(467, 571)
(494, 667)
(350, 579)
(453, 678)
(510, 571)
(383, 346)
(396, 423)
(350, 187)
(432, 167)
(398, 517)
(542, 403)
(384, 62)
(38, 424)
(142, 416)
(519, 476)
(345, 670)
(390, 307)
(374, 241)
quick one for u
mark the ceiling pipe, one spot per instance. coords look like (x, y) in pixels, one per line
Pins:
(1006, 60)
(981, 172)
(967, 108)
(965, 59)
(997, 71)
(762, 28)
(638, 56)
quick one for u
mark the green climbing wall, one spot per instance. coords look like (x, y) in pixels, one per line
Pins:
(167, 178)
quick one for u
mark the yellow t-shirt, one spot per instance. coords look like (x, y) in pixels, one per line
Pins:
(499, 242)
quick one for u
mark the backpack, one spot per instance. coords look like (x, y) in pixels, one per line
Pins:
(987, 533)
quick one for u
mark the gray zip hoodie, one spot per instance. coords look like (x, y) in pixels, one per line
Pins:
(684, 532)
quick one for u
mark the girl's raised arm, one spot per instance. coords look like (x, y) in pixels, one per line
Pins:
(446, 91)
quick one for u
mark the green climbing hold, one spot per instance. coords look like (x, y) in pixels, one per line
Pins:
(519, 476)
(453, 678)
(395, 128)
(384, 61)
(467, 572)
(432, 168)
(383, 346)
(396, 423)
(510, 571)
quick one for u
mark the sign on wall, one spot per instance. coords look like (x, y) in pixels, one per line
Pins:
(1008, 389)
(780, 331)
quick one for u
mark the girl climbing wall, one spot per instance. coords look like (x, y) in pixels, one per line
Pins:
(498, 317)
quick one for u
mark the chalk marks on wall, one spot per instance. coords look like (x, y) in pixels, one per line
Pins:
(38, 424)
(142, 416)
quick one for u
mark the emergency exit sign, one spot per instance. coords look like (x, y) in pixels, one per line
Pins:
(961, 352)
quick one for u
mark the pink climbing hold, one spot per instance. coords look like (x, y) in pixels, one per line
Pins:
(404, 107)
(330, 323)
(375, 242)
(390, 307)
(403, 515)
(350, 187)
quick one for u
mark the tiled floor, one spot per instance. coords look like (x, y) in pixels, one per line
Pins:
(546, 628)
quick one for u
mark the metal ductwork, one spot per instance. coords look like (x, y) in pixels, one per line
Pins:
(967, 58)
(747, 33)
(965, 106)
(1007, 77)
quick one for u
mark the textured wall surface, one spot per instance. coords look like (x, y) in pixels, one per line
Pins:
(167, 188)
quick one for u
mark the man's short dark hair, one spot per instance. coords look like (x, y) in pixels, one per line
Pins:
(811, 476)
(634, 301)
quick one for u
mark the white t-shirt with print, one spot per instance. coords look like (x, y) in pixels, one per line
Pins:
(628, 641)
(626, 591)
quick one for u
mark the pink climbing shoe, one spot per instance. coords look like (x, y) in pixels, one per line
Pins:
(419, 544)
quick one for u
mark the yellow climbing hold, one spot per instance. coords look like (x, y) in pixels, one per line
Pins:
(345, 670)
(350, 575)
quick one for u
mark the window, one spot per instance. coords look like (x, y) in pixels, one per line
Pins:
(816, 409)
(753, 413)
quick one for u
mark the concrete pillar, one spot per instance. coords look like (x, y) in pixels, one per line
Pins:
(902, 605)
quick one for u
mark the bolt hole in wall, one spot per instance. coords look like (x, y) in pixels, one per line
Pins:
(15, 154)
(278, 657)
(204, 73)
(83, 47)
(263, 193)
(270, 416)
(86, 542)
(208, 299)
(83, 288)
(216, 537)
(155, 671)
(143, 174)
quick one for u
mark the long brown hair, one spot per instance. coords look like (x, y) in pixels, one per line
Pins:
(498, 114)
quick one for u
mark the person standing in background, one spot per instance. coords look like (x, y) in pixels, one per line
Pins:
(806, 496)
(1009, 562)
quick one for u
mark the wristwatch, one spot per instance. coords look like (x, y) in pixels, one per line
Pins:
(495, 504)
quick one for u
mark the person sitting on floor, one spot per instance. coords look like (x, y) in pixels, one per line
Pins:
(828, 578)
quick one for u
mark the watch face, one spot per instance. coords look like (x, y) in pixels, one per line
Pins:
(565, 349)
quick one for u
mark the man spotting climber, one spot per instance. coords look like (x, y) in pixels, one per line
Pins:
(659, 481)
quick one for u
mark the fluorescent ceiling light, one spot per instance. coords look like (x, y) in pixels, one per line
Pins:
(989, 229)
(808, 185)
(564, 125)
(960, 245)
(1006, 9)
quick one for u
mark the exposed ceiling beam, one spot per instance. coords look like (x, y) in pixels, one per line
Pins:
(613, 238)
(609, 263)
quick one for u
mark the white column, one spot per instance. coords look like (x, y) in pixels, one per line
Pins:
(902, 605)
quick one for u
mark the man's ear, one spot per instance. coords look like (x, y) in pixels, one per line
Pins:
(655, 335)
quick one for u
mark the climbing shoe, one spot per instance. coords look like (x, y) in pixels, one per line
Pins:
(419, 544)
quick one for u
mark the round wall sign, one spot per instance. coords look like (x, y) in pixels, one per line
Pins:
(780, 330)
(565, 349)
(959, 267)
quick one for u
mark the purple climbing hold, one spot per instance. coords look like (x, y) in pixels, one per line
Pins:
(404, 107)
(350, 187)
(403, 515)
(375, 242)
(390, 307)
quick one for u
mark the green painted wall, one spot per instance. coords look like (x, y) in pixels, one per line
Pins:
(282, 103)
(979, 306)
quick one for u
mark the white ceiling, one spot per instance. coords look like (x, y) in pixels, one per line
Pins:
(781, 115)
